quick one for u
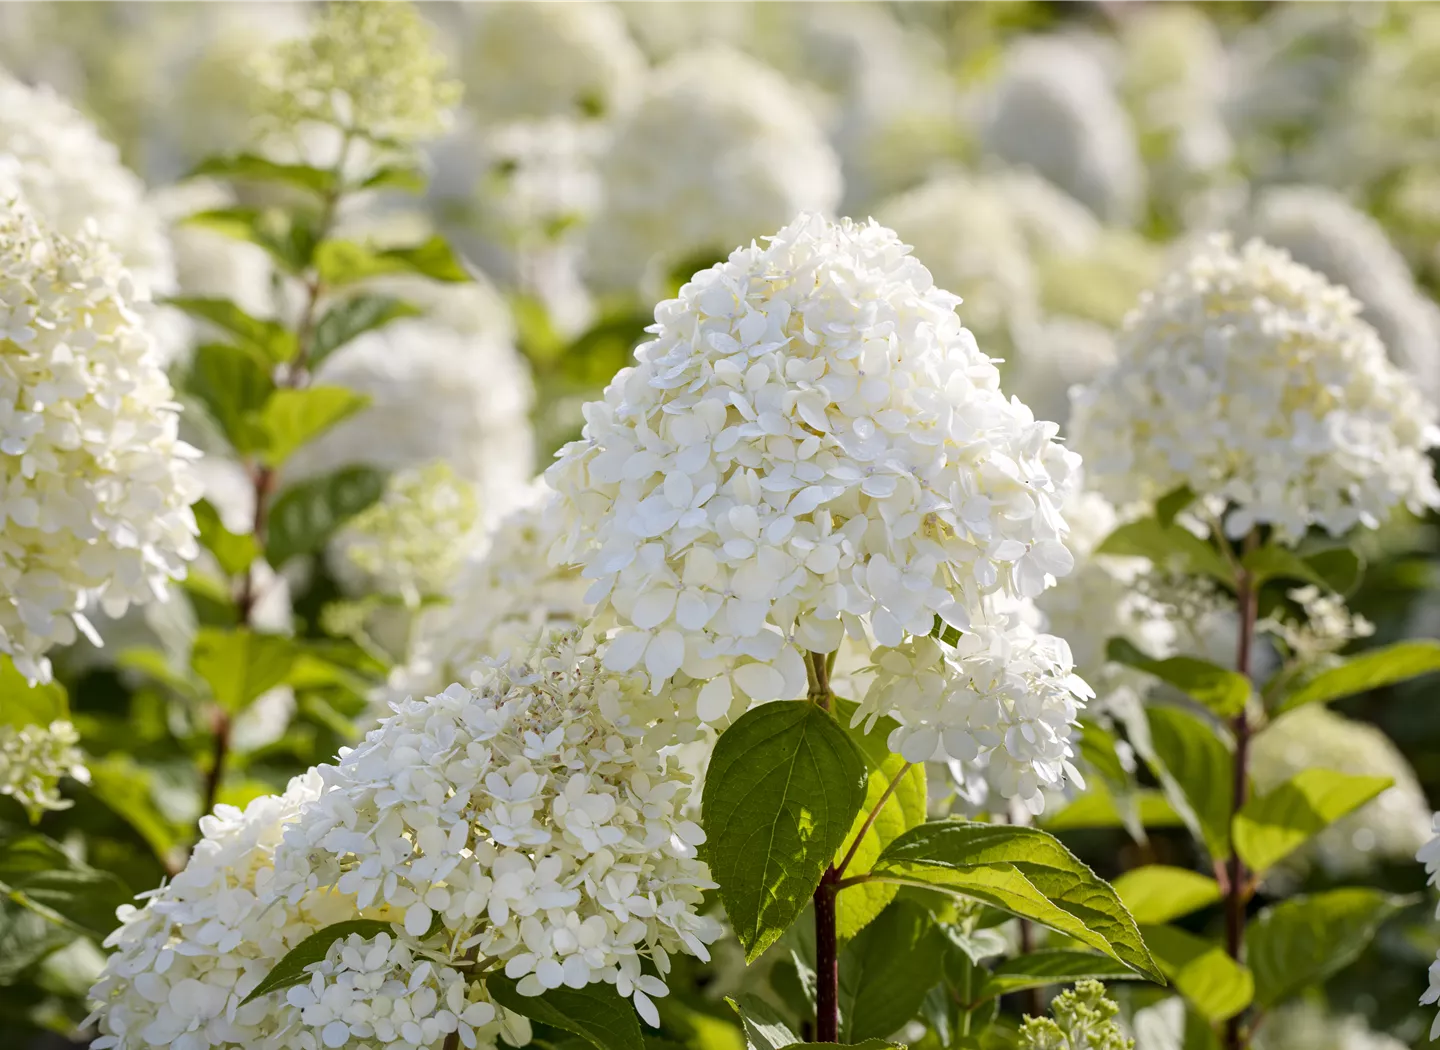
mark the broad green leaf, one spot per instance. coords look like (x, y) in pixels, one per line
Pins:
(856, 906)
(1198, 771)
(234, 387)
(764, 1029)
(233, 551)
(1097, 808)
(353, 317)
(26, 938)
(784, 785)
(864, 1044)
(289, 236)
(37, 874)
(1213, 983)
(23, 704)
(596, 1013)
(1042, 968)
(345, 262)
(270, 340)
(127, 788)
(1340, 568)
(1158, 893)
(307, 514)
(240, 665)
(1271, 826)
(886, 971)
(1170, 505)
(1021, 870)
(397, 177)
(251, 167)
(1221, 690)
(1370, 670)
(1280, 563)
(1171, 547)
(292, 418)
(1305, 940)
(290, 970)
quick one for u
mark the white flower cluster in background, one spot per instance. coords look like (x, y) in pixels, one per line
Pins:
(1390, 827)
(528, 815)
(811, 445)
(1429, 855)
(97, 487)
(1307, 1025)
(527, 62)
(718, 150)
(1253, 380)
(33, 758)
(1055, 110)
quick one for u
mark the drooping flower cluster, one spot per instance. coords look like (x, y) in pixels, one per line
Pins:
(1253, 380)
(368, 69)
(97, 491)
(811, 444)
(527, 817)
(718, 150)
(33, 759)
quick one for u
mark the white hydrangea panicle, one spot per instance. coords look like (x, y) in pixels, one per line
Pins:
(529, 817)
(718, 149)
(1254, 381)
(1055, 110)
(528, 62)
(33, 758)
(1306, 1025)
(97, 484)
(812, 444)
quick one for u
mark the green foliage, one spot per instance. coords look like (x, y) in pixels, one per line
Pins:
(596, 1013)
(1197, 769)
(36, 873)
(784, 785)
(1273, 562)
(1220, 690)
(128, 788)
(234, 552)
(1170, 505)
(1304, 940)
(254, 168)
(23, 704)
(293, 418)
(1213, 983)
(1023, 871)
(270, 341)
(289, 237)
(1270, 827)
(239, 665)
(886, 971)
(291, 969)
(352, 317)
(234, 387)
(401, 177)
(1171, 547)
(342, 263)
(306, 514)
(764, 1029)
(1046, 967)
(1158, 893)
(1384, 666)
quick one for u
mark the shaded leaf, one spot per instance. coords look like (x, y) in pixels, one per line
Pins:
(1340, 567)
(1158, 893)
(1170, 547)
(127, 789)
(1271, 826)
(293, 418)
(403, 178)
(290, 970)
(234, 387)
(1039, 969)
(764, 1029)
(252, 167)
(596, 1012)
(307, 514)
(353, 317)
(289, 237)
(1274, 562)
(1213, 983)
(1198, 771)
(233, 551)
(886, 971)
(1221, 690)
(240, 665)
(1370, 670)
(270, 340)
(1168, 506)
(37, 874)
(23, 704)
(345, 262)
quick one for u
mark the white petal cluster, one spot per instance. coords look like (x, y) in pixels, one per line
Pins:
(529, 62)
(1003, 695)
(182, 963)
(1392, 826)
(1055, 110)
(96, 485)
(1306, 1025)
(72, 177)
(530, 817)
(448, 385)
(33, 758)
(718, 150)
(1322, 230)
(1253, 380)
(812, 443)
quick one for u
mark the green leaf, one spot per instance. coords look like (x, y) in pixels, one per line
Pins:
(864, 1044)
(1304, 940)
(1221, 690)
(290, 970)
(784, 785)
(345, 262)
(764, 1029)
(353, 317)
(1340, 568)
(1275, 562)
(596, 1013)
(255, 168)
(26, 938)
(886, 971)
(1197, 770)
(1097, 808)
(234, 387)
(307, 514)
(37, 874)
(1021, 870)
(903, 810)
(404, 178)
(233, 551)
(1271, 826)
(1158, 893)
(292, 418)
(23, 704)
(1053, 966)
(240, 665)
(127, 789)
(289, 237)
(271, 341)
(1213, 983)
(1170, 505)
(1170, 547)
(1370, 670)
